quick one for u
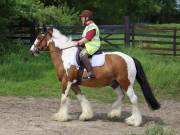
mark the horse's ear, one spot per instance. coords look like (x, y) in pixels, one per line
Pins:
(39, 28)
(44, 29)
(69, 38)
(49, 28)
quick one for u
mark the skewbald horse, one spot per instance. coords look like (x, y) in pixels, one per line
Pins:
(119, 71)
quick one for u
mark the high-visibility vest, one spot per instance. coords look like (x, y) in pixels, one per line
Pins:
(93, 45)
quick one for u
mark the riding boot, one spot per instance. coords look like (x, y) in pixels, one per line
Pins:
(88, 67)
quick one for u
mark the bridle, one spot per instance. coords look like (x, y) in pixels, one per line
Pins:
(47, 43)
(44, 36)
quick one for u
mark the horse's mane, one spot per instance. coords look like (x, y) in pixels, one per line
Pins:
(61, 40)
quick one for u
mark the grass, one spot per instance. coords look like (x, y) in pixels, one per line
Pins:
(157, 131)
(24, 75)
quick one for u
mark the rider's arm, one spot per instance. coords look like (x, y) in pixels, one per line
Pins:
(89, 36)
(82, 41)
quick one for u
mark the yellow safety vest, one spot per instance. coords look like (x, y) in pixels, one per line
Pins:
(93, 45)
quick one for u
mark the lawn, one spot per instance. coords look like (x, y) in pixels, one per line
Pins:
(24, 75)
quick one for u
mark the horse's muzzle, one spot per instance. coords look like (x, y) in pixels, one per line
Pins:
(35, 52)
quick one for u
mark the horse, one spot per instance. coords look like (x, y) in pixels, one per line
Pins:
(118, 71)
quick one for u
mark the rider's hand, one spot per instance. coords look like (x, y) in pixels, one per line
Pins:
(75, 43)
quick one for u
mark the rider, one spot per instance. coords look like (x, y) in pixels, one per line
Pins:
(90, 39)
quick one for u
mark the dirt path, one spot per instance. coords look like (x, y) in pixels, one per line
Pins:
(31, 116)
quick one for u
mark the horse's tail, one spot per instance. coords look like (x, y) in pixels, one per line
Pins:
(145, 87)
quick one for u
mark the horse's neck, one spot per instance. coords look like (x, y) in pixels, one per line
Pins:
(56, 59)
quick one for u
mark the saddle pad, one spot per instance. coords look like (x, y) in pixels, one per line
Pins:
(96, 60)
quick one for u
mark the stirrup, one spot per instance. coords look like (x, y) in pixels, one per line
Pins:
(87, 78)
(90, 76)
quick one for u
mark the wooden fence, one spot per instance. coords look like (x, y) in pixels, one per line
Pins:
(159, 40)
(25, 32)
(109, 33)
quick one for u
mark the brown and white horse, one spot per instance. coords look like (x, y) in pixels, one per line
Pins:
(119, 71)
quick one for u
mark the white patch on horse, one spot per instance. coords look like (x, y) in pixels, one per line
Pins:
(68, 88)
(62, 42)
(33, 46)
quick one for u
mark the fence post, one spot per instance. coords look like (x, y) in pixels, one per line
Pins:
(33, 32)
(126, 31)
(174, 41)
(132, 34)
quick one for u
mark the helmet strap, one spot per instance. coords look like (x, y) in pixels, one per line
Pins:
(85, 19)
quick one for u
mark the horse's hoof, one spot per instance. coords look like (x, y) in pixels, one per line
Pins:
(85, 116)
(59, 117)
(134, 121)
(114, 114)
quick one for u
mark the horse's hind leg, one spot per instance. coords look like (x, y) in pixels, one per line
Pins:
(116, 106)
(87, 112)
(136, 118)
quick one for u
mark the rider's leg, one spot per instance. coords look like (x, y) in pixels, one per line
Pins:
(84, 58)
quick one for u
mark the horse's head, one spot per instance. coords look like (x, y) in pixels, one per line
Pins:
(41, 42)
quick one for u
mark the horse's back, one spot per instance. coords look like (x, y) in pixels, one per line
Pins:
(128, 59)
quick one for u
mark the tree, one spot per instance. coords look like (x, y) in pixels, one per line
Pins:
(35, 10)
(169, 10)
(112, 12)
(6, 14)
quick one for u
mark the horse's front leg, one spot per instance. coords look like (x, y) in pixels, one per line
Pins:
(87, 112)
(62, 114)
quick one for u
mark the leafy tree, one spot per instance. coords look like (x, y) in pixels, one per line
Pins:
(6, 15)
(35, 10)
(55, 3)
(112, 12)
(169, 10)
(14, 11)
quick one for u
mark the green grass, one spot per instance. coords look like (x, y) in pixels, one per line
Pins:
(157, 131)
(24, 75)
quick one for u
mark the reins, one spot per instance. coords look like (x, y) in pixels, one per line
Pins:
(68, 47)
(60, 49)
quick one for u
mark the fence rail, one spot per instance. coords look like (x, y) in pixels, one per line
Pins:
(167, 40)
(158, 40)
